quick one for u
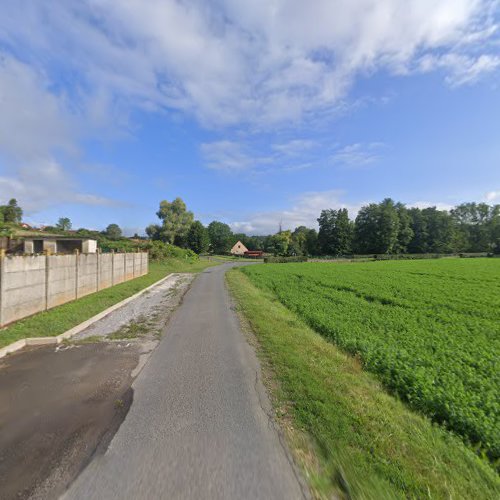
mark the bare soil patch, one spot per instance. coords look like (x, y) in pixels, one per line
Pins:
(56, 407)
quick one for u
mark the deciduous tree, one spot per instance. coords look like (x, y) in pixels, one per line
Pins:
(176, 221)
(197, 237)
(64, 224)
(113, 232)
(220, 236)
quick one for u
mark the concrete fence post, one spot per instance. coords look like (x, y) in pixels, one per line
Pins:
(112, 267)
(2, 283)
(47, 279)
(77, 262)
(133, 262)
(98, 258)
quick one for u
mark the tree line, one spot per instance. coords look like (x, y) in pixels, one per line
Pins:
(387, 227)
(390, 227)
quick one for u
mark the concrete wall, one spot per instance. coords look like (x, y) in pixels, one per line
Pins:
(106, 270)
(30, 284)
(87, 274)
(22, 287)
(61, 283)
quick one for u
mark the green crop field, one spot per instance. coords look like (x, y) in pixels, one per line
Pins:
(430, 330)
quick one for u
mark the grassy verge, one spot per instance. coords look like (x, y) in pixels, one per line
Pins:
(62, 318)
(351, 437)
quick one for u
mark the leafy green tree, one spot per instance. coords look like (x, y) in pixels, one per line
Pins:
(494, 229)
(312, 242)
(299, 241)
(473, 224)
(64, 224)
(113, 232)
(176, 221)
(405, 231)
(281, 243)
(12, 212)
(335, 232)
(441, 230)
(418, 224)
(154, 232)
(220, 236)
(197, 238)
(382, 228)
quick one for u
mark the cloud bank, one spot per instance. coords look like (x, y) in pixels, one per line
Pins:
(69, 70)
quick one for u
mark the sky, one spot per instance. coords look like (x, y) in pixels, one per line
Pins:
(254, 113)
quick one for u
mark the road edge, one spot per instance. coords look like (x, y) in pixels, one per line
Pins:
(22, 343)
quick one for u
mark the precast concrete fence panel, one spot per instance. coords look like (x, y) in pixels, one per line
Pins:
(22, 287)
(35, 283)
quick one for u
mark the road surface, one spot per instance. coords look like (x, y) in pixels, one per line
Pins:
(199, 425)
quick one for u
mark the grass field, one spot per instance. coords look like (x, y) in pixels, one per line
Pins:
(353, 438)
(430, 331)
(62, 318)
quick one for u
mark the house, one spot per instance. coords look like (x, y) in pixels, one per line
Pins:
(58, 244)
(239, 249)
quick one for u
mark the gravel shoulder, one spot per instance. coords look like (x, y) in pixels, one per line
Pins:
(61, 405)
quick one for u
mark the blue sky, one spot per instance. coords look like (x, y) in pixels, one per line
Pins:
(252, 112)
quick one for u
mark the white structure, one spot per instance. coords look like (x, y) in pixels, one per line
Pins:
(239, 249)
(59, 245)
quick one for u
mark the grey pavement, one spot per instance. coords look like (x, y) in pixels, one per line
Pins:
(199, 425)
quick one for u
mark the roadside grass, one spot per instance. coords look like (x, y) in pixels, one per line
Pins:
(60, 319)
(352, 438)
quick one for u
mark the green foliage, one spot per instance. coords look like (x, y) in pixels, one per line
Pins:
(160, 251)
(11, 213)
(63, 224)
(280, 243)
(197, 238)
(377, 228)
(220, 236)
(176, 221)
(429, 330)
(336, 232)
(113, 232)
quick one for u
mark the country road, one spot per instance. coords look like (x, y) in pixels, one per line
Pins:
(199, 426)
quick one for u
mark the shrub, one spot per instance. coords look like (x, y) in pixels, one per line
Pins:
(158, 251)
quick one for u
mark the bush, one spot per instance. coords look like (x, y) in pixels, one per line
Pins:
(158, 251)
(284, 260)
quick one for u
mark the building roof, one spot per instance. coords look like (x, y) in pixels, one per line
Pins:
(238, 246)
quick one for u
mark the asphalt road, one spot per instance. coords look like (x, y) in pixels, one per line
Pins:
(199, 425)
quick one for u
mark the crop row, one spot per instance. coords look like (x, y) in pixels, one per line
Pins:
(429, 330)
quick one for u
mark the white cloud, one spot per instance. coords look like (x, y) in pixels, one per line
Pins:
(226, 156)
(234, 61)
(493, 196)
(304, 211)
(462, 69)
(296, 154)
(36, 125)
(356, 155)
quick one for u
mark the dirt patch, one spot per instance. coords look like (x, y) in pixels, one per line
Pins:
(57, 406)
(145, 316)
